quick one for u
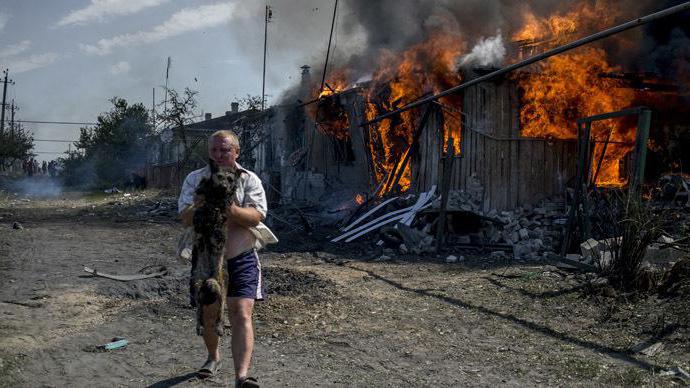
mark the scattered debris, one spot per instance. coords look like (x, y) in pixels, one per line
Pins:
(159, 271)
(30, 304)
(17, 226)
(405, 216)
(674, 188)
(678, 373)
(112, 190)
(678, 279)
(648, 349)
(115, 343)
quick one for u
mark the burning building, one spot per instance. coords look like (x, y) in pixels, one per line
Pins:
(517, 134)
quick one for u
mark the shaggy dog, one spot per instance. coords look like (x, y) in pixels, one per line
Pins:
(209, 283)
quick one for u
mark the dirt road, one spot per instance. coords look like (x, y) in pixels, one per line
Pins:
(334, 316)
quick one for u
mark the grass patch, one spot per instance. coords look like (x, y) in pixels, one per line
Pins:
(9, 370)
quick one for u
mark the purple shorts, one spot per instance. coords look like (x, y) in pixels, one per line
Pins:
(244, 275)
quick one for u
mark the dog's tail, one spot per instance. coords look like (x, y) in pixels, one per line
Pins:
(211, 291)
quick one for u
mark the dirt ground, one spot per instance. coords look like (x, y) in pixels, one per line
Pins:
(334, 315)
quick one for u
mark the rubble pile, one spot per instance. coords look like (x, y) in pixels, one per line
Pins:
(139, 205)
(467, 200)
(534, 232)
(527, 233)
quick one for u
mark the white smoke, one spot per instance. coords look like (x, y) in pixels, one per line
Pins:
(487, 52)
(36, 187)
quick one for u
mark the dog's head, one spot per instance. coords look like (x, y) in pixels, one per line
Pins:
(220, 185)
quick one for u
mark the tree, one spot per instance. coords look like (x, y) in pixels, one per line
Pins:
(249, 102)
(108, 153)
(77, 170)
(15, 144)
(180, 111)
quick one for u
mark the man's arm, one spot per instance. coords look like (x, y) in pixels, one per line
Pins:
(187, 215)
(253, 209)
(247, 217)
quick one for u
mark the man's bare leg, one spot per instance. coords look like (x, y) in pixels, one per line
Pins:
(240, 310)
(210, 337)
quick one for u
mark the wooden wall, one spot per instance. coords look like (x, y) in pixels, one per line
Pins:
(514, 172)
(425, 163)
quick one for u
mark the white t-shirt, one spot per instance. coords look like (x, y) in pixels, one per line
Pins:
(250, 193)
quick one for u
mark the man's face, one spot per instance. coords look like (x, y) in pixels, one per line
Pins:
(221, 151)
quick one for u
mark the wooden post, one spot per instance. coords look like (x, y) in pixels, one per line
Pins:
(643, 121)
(445, 190)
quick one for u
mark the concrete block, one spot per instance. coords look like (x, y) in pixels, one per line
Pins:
(657, 255)
(591, 249)
(574, 256)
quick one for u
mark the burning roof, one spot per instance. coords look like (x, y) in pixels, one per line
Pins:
(553, 94)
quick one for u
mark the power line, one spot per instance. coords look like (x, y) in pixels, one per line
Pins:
(57, 141)
(54, 122)
(328, 50)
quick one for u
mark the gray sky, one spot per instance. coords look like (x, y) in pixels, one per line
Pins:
(69, 57)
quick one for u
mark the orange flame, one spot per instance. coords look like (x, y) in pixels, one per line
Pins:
(427, 67)
(584, 16)
(327, 112)
(359, 199)
(567, 87)
(335, 85)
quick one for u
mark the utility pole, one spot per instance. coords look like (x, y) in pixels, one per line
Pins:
(4, 96)
(167, 73)
(153, 109)
(267, 18)
(13, 109)
(328, 50)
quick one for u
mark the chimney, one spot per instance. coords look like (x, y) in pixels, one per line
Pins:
(305, 70)
(207, 116)
(305, 85)
(234, 107)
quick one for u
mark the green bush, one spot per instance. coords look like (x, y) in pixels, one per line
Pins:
(110, 151)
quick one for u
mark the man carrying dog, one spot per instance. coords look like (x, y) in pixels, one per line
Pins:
(245, 233)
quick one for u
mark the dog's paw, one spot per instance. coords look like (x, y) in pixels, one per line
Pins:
(220, 329)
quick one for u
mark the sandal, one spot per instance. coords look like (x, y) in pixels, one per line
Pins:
(246, 382)
(209, 369)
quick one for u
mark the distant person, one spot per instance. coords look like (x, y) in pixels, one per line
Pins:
(244, 232)
(44, 168)
(51, 168)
